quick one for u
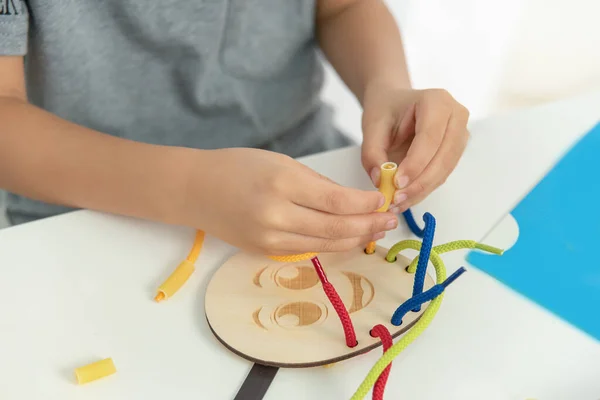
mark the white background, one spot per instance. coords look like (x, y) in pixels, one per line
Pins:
(492, 55)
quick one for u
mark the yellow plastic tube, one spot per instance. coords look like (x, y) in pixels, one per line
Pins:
(183, 272)
(94, 371)
(386, 184)
(387, 187)
(195, 251)
(175, 281)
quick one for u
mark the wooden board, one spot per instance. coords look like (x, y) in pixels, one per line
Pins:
(277, 314)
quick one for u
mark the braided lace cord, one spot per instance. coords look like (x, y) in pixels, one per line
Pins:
(429, 313)
(382, 332)
(337, 303)
(378, 375)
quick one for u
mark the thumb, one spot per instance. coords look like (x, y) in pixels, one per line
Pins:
(376, 142)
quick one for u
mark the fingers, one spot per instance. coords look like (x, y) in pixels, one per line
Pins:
(293, 243)
(441, 166)
(321, 216)
(313, 192)
(293, 229)
(432, 115)
(330, 226)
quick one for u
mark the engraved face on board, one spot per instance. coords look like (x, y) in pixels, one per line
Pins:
(278, 314)
(302, 278)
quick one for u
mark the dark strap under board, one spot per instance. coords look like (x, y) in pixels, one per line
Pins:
(257, 382)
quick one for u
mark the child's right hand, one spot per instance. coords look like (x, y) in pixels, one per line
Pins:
(269, 203)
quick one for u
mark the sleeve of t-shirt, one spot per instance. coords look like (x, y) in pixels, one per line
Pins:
(14, 26)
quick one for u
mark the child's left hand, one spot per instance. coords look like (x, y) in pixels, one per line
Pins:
(423, 131)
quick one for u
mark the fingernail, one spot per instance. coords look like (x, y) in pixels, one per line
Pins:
(399, 198)
(402, 182)
(375, 176)
(381, 201)
(394, 210)
(391, 224)
(378, 236)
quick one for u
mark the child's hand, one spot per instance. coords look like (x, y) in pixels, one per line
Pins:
(265, 202)
(423, 131)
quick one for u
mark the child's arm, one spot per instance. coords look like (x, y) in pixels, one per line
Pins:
(424, 131)
(253, 199)
(50, 159)
(362, 42)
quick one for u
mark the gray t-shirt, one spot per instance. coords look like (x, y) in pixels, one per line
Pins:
(205, 73)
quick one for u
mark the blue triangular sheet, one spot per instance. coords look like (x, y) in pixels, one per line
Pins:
(556, 260)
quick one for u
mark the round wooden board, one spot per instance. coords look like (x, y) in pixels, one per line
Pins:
(277, 314)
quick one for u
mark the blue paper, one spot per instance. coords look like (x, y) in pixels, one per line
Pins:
(555, 261)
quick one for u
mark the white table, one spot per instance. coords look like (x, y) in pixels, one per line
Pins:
(79, 287)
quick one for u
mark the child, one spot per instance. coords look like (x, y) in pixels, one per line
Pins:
(189, 112)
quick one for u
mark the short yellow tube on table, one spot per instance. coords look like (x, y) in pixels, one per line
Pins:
(387, 187)
(175, 281)
(183, 272)
(95, 371)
